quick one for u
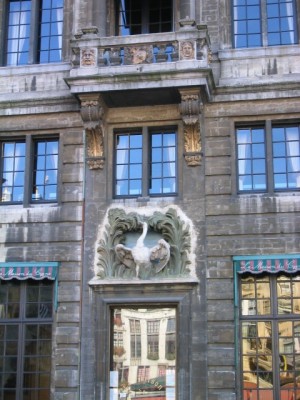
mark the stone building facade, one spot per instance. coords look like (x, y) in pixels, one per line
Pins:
(149, 212)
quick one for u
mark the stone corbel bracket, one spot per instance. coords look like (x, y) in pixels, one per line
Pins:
(190, 109)
(92, 113)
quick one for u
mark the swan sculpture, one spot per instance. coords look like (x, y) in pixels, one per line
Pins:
(141, 256)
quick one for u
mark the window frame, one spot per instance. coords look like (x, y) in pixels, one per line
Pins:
(263, 23)
(146, 133)
(35, 38)
(268, 127)
(112, 296)
(30, 141)
(22, 321)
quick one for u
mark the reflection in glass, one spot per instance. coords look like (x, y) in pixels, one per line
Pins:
(143, 353)
(286, 157)
(251, 159)
(270, 348)
(163, 165)
(13, 167)
(45, 170)
(50, 36)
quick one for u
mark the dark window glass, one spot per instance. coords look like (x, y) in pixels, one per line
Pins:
(251, 154)
(161, 159)
(45, 170)
(286, 157)
(13, 171)
(270, 327)
(249, 26)
(149, 16)
(25, 340)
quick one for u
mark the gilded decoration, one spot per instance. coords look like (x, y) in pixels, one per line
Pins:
(167, 255)
(190, 109)
(91, 114)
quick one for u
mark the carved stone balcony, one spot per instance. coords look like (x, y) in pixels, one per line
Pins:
(150, 68)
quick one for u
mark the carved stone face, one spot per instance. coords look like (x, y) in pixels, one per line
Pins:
(187, 50)
(138, 55)
(88, 57)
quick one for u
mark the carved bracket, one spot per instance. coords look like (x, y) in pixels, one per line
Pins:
(190, 109)
(91, 114)
(168, 225)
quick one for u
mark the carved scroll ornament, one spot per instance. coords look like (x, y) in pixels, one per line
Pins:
(91, 114)
(190, 108)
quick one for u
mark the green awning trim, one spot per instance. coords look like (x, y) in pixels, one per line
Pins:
(28, 270)
(289, 263)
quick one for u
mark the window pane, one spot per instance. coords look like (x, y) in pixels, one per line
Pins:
(18, 28)
(45, 170)
(280, 22)
(163, 163)
(13, 167)
(50, 37)
(247, 24)
(251, 155)
(286, 157)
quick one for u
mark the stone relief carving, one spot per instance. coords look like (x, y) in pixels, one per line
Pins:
(88, 57)
(168, 258)
(187, 50)
(91, 114)
(190, 109)
(138, 55)
(143, 257)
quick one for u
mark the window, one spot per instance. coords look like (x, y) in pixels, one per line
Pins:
(135, 338)
(142, 169)
(25, 339)
(264, 23)
(282, 142)
(27, 43)
(153, 339)
(148, 16)
(270, 336)
(16, 171)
